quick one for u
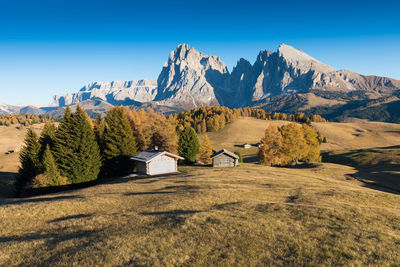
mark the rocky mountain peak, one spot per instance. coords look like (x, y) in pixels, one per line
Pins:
(191, 78)
(298, 59)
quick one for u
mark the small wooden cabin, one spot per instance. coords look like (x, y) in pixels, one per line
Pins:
(225, 158)
(152, 162)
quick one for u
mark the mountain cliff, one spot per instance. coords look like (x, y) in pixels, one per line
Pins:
(287, 80)
(291, 71)
(192, 79)
(115, 93)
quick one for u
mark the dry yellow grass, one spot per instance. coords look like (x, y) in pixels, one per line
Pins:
(340, 136)
(250, 215)
(12, 137)
(315, 101)
(356, 135)
(8, 168)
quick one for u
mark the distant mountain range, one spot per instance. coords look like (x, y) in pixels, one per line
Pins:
(287, 80)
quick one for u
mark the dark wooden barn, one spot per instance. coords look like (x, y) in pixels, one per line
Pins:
(225, 158)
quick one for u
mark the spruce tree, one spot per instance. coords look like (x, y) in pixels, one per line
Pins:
(47, 137)
(189, 145)
(119, 143)
(270, 151)
(29, 159)
(206, 150)
(75, 148)
(50, 167)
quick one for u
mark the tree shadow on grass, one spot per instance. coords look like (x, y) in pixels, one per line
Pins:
(171, 218)
(252, 158)
(379, 171)
(304, 165)
(149, 193)
(170, 190)
(71, 217)
(171, 212)
(37, 200)
(59, 236)
(7, 184)
(56, 243)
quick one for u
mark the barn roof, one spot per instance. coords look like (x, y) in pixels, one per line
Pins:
(224, 151)
(148, 155)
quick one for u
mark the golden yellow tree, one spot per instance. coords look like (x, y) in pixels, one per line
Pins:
(294, 145)
(312, 153)
(270, 151)
(206, 150)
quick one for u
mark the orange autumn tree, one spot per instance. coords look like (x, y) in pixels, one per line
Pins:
(270, 152)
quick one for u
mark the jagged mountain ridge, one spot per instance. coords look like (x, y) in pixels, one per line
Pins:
(114, 92)
(192, 79)
(285, 80)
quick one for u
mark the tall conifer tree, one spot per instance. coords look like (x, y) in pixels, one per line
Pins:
(47, 137)
(189, 145)
(50, 167)
(76, 150)
(29, 159)
(119, 143)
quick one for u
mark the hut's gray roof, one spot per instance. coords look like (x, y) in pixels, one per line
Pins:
(148, 155)
(227, 152)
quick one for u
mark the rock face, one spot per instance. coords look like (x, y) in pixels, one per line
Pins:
(192, 79)
(290, 71)
(115, 93)
(10, 109)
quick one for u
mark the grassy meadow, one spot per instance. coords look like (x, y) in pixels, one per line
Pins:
(341, 213)
(251, 215)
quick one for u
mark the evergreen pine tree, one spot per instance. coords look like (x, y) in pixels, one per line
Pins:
(50, 167)
(75, 148)
(189, 145)
(119, 143)
(270, 151)
(29, 159)
(47, 137)
(206, 150)
(99, 126)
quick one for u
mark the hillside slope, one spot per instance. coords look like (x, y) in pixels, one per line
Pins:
(352, 135)
(249, 215)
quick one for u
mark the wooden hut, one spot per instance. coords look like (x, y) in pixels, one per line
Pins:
(225, 158)
(152, 162)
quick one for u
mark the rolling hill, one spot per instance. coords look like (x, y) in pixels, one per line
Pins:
(249, 215)
(340, 136)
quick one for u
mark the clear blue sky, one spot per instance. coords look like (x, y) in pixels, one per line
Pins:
(52, 47)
